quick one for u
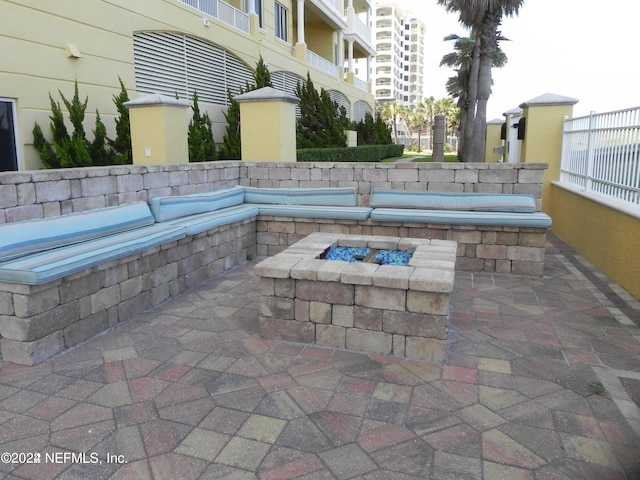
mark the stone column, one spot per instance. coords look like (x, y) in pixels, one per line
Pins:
(268, 125)
(159, 130)
(439, 134)
(543, 132)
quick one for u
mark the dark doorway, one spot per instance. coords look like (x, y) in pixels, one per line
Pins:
(8, 152)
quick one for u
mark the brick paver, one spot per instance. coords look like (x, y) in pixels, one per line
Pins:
(541, 381)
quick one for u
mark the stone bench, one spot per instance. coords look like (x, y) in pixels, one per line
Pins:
(503, 233)
(67, 278)
(378, 309)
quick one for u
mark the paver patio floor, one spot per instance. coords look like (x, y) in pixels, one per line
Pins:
(542, 381)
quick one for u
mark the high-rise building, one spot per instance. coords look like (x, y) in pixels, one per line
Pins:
(397, 71)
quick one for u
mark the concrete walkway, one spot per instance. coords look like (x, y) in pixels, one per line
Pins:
(542, 381)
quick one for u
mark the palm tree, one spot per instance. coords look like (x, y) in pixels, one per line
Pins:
(458, 86)
(483, 17)
(451, 112)
(390, 113)
(418, 120)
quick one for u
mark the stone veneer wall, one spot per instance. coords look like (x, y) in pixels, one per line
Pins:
(524, 178)
(45, 193)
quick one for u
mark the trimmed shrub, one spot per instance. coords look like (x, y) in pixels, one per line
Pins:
(363, 153)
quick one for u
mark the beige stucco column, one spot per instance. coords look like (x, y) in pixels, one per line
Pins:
(268, 125)
(159, 130)
(300, 48)
(494, 128)
(542, 143)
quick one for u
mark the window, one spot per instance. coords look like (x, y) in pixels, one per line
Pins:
(8, 152)
(258, 5)
(281, 22)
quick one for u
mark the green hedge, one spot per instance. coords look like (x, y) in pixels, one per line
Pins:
(363, 153)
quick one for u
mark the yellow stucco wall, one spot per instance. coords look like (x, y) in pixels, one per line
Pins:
(493, 140)
(268, 131)
(103, 33)
(158, 135)
(320, 40)
(543, 141)
(606, 237)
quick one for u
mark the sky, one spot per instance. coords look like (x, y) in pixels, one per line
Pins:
(582, 49)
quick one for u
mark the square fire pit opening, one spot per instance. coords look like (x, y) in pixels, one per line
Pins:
(361, 306)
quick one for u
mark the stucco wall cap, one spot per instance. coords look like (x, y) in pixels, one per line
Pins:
(266, 94)
(154, 100)
(513, 111)
(549, 99)
(496, 121)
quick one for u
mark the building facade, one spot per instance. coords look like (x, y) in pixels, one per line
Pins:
(171, 47)
(397, 71)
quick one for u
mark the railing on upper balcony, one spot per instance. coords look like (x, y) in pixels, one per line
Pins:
(361, 84)
(221, 11)
(321, 63)
(361, 28)
(601, 154)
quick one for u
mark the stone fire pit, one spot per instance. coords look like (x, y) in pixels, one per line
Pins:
(379, 309)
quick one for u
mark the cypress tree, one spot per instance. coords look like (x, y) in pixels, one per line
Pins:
(73, 150)
(202, 147)
(122, 143)
(322, 122)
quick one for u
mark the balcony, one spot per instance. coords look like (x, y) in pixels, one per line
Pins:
(221, 11)
(322, 64)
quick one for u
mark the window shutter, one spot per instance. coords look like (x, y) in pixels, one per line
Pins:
(171, 64)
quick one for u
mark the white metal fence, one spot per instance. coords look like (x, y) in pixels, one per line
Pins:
(601, 154)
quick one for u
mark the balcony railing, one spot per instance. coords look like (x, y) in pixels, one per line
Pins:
(361, 84)
(322, 64)
(221, 11)
(361, 28)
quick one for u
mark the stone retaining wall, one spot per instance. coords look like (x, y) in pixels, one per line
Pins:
(45, 193)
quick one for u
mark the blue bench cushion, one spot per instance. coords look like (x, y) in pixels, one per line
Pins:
(481, 202)
(335, 197)
(172, 207)
(205, 221)
(449, 217)
(22, 238)
(313, 211)
(43, 267)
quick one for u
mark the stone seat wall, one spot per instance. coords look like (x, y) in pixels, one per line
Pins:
(37, 322)
(517, 250)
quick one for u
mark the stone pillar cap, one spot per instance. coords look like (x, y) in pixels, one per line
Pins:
(549, 99)
(155, 99)
(266, 94)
